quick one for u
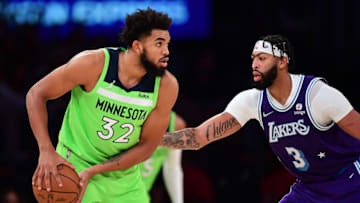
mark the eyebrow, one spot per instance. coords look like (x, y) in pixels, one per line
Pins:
(160, 38)
(253, 56)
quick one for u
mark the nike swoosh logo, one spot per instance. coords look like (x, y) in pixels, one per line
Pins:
(111, 84)
(267, 114)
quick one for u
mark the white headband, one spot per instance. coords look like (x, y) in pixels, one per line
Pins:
(266, 47)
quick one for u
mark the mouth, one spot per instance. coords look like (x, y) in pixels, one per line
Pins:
(257, 76)
(164, 61)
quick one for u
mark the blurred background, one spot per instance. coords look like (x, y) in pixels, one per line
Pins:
(210, 56)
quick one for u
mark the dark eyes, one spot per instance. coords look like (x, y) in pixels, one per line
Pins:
(159, 44)
(259, 57)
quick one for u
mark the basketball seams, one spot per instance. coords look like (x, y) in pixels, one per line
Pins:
(70, 189)
(55, 193)
(72, 180)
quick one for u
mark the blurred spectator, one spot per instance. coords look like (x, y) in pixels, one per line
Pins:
(10, 195)
(276, 185)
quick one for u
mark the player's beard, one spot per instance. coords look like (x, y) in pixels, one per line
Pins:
(150, 67)
(267, 78)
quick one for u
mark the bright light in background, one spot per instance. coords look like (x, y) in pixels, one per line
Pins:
(109, 12)
(55, 13)
(24, 12)
(88, 12)
(191, 18)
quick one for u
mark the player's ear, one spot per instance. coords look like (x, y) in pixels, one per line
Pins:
(137, 46)
(283, 62)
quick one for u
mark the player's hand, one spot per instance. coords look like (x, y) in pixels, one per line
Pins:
(47, 166)
(85, 176)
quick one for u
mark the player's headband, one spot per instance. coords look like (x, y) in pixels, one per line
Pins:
(267, 47)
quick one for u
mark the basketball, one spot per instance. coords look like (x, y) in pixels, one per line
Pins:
(69, 192)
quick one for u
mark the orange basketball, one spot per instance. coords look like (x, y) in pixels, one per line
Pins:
(69, 192)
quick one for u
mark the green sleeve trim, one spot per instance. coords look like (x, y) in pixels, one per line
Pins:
(106, 64)
(172, 121)
(156, 90)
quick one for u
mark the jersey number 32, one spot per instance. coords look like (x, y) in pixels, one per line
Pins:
(108, 127)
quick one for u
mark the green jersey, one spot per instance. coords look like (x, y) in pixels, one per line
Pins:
(151, 167)
(107, 120)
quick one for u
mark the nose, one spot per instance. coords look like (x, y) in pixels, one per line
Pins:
(254, 64)
(166, 51)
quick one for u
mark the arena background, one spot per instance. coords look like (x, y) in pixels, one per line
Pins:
(212, 62)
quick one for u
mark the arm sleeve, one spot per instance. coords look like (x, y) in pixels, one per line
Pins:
(244, 106)
(173, 176)
(328, 104)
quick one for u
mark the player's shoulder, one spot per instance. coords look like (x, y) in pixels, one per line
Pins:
(169, 81)
(319, 83)
(88, 63)
(298, 78)
(168, 90)
(86, 66)
(249, 94)
(90, 57)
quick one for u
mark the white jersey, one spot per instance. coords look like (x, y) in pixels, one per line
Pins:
(327, 104)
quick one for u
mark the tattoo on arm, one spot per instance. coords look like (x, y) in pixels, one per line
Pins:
(216, 130)
(182, 139)
(115, 158)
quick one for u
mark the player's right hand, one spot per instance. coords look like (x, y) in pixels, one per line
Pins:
(47, 166)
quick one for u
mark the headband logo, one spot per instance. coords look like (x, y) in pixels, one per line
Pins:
(267, 47)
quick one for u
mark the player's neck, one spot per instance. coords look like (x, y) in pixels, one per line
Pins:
(281, 87)
(131, 70)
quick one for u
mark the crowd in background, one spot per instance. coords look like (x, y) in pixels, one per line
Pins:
(210, 72)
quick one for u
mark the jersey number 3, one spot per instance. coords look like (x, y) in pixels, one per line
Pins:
(108, 126)
(300, 161)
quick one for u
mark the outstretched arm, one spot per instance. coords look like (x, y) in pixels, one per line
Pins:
(215, 128)
(173, 176)
(172, 170)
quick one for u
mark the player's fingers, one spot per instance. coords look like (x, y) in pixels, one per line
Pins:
(81, 194)
(83, 179)
(34, 178)
(47, 180)
(58, 179)
(39, 178)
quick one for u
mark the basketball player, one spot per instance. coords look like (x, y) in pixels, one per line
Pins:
(311, 126)
(121, 101)
(170, 161)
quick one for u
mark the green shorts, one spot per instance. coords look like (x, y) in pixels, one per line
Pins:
(124, 186)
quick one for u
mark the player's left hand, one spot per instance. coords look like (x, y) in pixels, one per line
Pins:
(85, 176)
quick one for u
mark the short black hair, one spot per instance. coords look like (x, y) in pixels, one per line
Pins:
(141, 23)
(284, 45)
